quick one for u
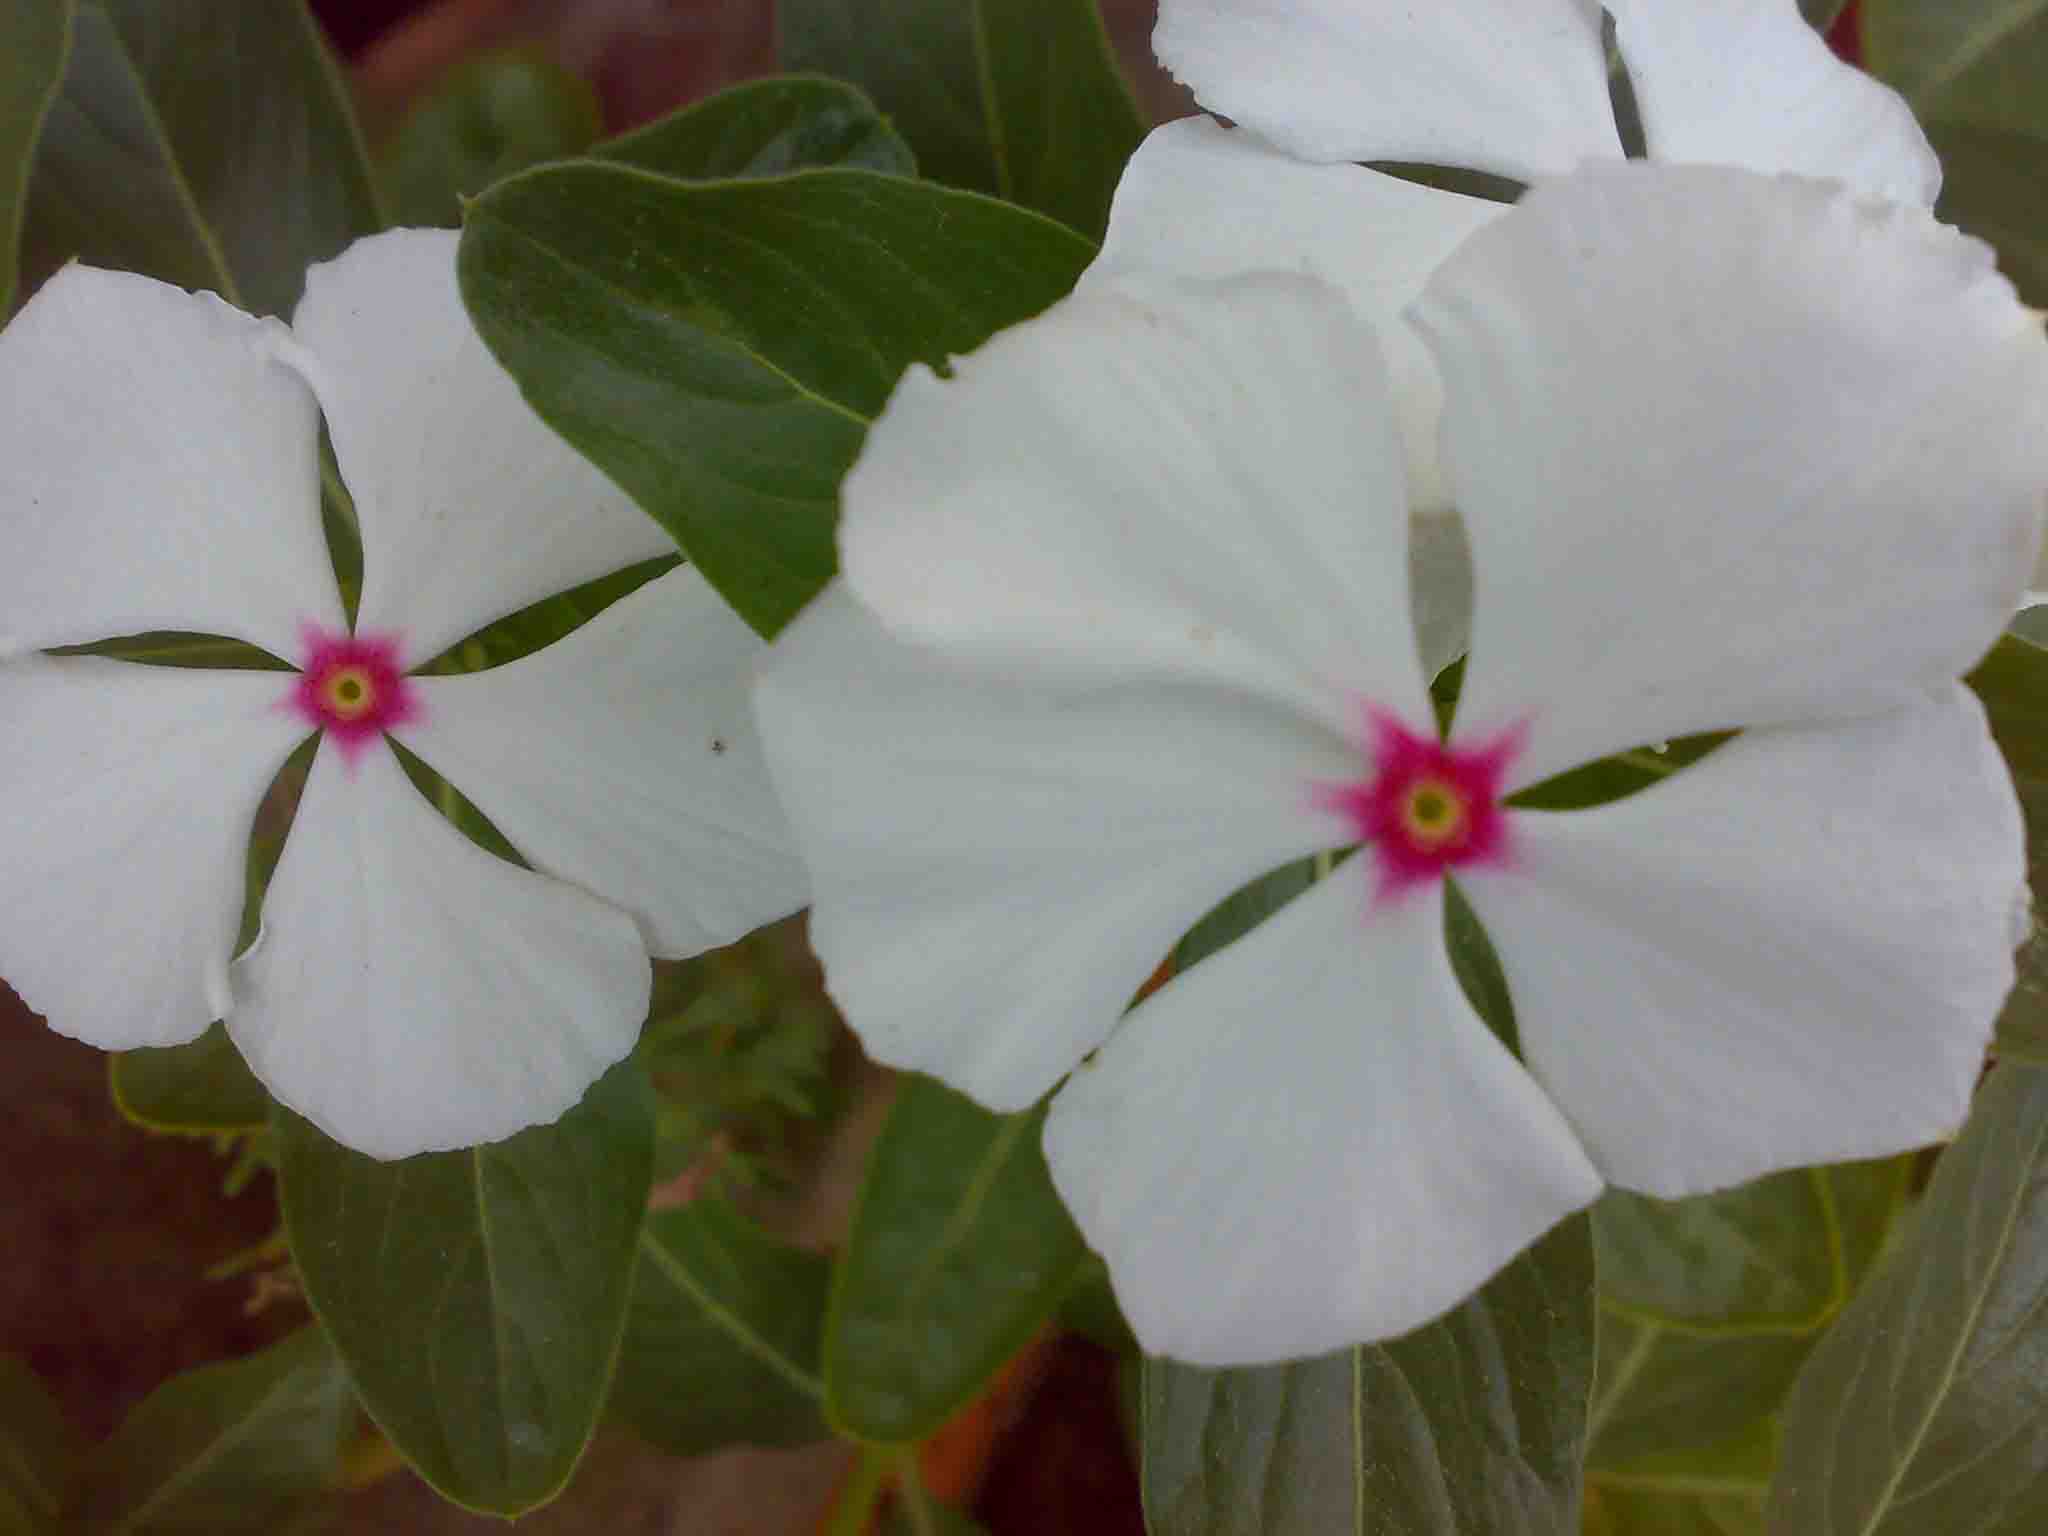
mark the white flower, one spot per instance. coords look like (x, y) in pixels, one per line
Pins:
(1123, 625)
(159, 470)
(1511, 87)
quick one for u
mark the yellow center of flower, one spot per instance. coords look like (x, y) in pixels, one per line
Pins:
(1433, 813)
(349, 693)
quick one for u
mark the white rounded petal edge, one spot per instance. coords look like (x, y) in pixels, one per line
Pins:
(159, 470)
(1791, 952)
(471, 507)
(1730, 450)
(1201, 200)
(1186, 481)
(1750, 83)
(410, 992)
(1309, 1140)
(127, 794)
(1515, 87)
(999, 860)
(624, 758)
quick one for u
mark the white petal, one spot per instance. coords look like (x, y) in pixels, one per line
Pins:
(1192, 481)
(1749, 83)
(470, 506)
(159, 470)
(624, 758)
(410, 992)
(1201, 200)
(1516, 87)
(1791, 952)
(1000, 861)
(1309, 1140)
(1730, 451)
(126, 798)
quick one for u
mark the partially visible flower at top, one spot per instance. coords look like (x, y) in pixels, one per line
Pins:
(1516, 88)
(160, 470)
(1123, 626)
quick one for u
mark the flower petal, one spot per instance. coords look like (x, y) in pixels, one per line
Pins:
(1309, 1140)
(1516, 87)
(1791, 952)
(1712, 435)
(624, 758)
(471, 507)
(410, 992)
(1191, 481)
(1749, 83)
(1201, 200)
(1000, 859)
(158, 466)
(126, 798)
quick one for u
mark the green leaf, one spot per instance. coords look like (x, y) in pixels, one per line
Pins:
(1718, 1491)
(203, 1086)
(478, 1296)
(226, 1448)
(767, 128)
(35, 39)
(1993, 185)
(210, 145)
(1021, 99)
(1472, 1426)
(492, 114)
(1976, 72)
(39, 1453)
(960, 1250)
(2012, 682)
(718, 348)
(1922, 1409)
(1709, 1306)
(721, 1344)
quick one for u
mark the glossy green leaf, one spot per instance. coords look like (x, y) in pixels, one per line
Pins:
(2013, 683)
(202, 1086)
(1976, 72)
(1710, 1306)
(39, 1453)
(767, 128)
(227, 1448)
(721, 1344)
(211, 145)
(960, 1250)
(1472, 1426)
(492, 114)
(35, 39)
(718, 348)
(1022, 99)
(1718, 1491)
(1922, 1410)
(478, 1296)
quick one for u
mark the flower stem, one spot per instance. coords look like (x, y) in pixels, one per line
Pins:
(854, 1512)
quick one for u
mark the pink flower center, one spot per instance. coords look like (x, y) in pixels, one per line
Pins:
(1428, 806)
(353, 687)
